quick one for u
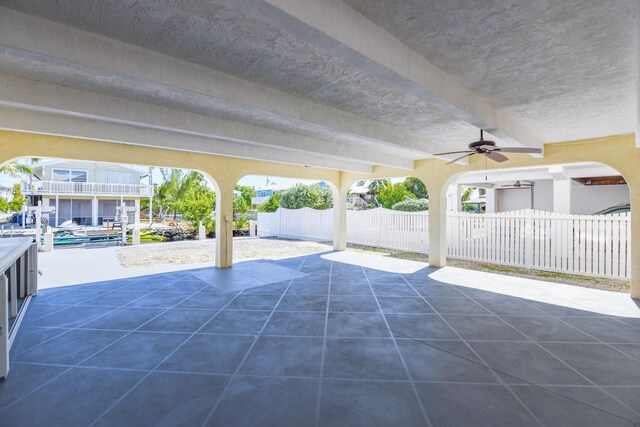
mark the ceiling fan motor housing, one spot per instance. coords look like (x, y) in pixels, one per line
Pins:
(481, 145)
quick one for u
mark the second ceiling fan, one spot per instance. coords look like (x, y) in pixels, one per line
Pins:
(490, 150)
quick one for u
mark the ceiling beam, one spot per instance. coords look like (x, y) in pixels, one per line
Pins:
(45, 97)
(78, 127)
(341, 30)
(45, 50)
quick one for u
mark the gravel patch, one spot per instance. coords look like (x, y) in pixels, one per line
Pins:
(202, 251)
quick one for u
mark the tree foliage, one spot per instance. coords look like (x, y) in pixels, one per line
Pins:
(272, 204)
(17, 169)
(18, 200)
(412, 205)
(198, 204)
(247, 194)
(185, 193)
(4, 205)
(416, 187)
(394, 193)
(467, 194)
(309, 196)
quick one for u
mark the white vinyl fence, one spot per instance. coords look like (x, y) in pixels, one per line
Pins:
(594, 245)
(301, 224)
(578, 244)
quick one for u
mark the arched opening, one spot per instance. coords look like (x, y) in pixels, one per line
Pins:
(290, 217)
(87, 205)
(389, 216)
(543, 221)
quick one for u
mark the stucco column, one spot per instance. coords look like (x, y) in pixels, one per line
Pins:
(94, 211)
(137, 215)
(634, 192)
(340, 217)
(437, 224)
(224, 225)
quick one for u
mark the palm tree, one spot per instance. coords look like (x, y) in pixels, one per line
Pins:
(375, 186)
(17, 169)
(176, 185)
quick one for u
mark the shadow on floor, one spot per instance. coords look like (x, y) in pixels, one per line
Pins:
(310, 340)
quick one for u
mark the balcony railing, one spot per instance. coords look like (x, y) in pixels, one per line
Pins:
(86, 188)
(259, 200)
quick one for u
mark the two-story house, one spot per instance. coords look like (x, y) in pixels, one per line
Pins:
(86, 192)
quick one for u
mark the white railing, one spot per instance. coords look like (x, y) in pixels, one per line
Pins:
(577, 244)
(86, 188)
(259, 200)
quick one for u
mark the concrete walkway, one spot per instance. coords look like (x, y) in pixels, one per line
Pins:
(82, 265)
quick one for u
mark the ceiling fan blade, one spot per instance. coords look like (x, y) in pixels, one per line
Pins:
(454, 152)
(496, 157)
(461, 157)
(518, 150)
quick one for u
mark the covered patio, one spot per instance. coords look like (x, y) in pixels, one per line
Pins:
(338, 338)
(338, 91)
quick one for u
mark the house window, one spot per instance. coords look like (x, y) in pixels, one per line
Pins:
(70, 175)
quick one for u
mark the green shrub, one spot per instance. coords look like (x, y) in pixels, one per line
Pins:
(393, 194)
(412, 205)
(241, 222)
(306, 196)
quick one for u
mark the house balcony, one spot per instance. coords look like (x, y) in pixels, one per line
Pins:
(52, 188)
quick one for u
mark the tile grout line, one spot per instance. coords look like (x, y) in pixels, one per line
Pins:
(522, 382)
(365, 380)
(79, 327)
(404, 363)
(78, 303)
(565, 364)
(483, 362)
(78, 365)
(164, 359)
(324, 348)
(246, 355)
(599, 341)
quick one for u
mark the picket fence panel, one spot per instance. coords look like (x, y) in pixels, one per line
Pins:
(577, 244)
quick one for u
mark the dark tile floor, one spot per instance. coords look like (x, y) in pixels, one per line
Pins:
(334, 344)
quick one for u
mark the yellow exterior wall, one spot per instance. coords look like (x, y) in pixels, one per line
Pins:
(617, 151)
(224, 172)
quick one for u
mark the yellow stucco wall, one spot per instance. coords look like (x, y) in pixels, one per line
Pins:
(617, 151)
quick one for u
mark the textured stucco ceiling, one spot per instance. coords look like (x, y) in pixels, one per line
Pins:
(565, 67)
(231, 36)
(561, 69)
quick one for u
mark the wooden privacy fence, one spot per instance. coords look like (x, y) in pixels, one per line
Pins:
(578, 244)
